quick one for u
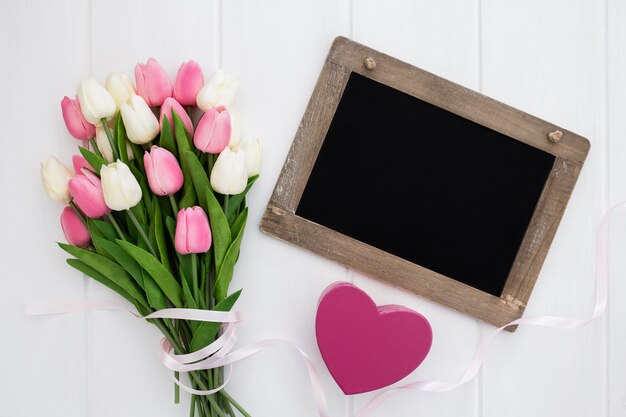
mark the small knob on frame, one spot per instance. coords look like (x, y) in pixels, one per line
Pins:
(369, 63)
(555, 136)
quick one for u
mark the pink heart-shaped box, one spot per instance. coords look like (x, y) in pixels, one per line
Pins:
(366, 347)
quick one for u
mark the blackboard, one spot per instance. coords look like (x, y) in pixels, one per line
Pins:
(425, 184)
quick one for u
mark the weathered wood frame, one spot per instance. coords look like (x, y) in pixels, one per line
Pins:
(280, 220)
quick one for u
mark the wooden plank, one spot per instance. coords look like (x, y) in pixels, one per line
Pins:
(547, 58)
(440, 37)
(277, 50)
(616, 130)
(389, 268)
(44, 53)
(124, 375)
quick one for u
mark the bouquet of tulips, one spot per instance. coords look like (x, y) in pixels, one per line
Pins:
(155, 206)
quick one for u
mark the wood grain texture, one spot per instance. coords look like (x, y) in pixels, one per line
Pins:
(420, 33)
(546, 57)
(616, 175)
(43, 354)
(120, 348)
(346, 56)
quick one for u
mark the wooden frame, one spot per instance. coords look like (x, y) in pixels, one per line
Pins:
(280, 220)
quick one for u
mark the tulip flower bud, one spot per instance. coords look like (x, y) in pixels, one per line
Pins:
(219, 91)
(152, 82)
(141, 124)
(79, 162)
(166, 111)
(230, 174)
(86, 190)
(235, 128)
(193, 234)
(252, 148)
(164, 174)
(213, 131)
(189, 80)
(75, 231)
(104, 146)
(120, 88)
(54, 177)
(95, 101)
(76, 123)
(120, 187)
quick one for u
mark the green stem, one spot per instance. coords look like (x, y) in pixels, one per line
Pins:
(116, 226)
(174, 205)
(142, 233)
(210, 162)
(92, 141)
(192, 409)
(78, 213)
(177, 389)
(194, 276)
(226, 198)
(107, 130)
(235, 403)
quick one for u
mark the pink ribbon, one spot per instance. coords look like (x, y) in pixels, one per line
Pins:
(220, 354)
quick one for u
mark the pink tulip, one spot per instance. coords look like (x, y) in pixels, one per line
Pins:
(213, 131)
(166, 111)
(86, 190)
(75, 231)
(189, 81)
(79, 162)
(164, 174)
(152, 82)
(76, 123)
(193, 234)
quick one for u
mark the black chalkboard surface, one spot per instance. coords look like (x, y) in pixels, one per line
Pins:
(425, 184)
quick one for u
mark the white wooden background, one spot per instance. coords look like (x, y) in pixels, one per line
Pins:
(562, 60)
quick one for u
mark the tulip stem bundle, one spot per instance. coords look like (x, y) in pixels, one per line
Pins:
(162, 229)
(107, 130)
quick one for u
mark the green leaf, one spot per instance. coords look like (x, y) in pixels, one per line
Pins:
(102, 228)
(138, 154)
(239, 222)
(94, 160)
(159, 235)
(207, 330)
(143, 184)
(235, 200)
(181, 134)
(183, 261)
(220, 229)
(89, 271)
(123, 258)
(198, 176)
(120, 137)
(109, 269)
(166, 139)
(189, 302)
(225, 270)
(156, 298)
(161, 275)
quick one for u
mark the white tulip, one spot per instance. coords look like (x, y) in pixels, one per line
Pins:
(230, 175)
(120, 87)
(120, 187)
(141, 124)
(219, 91)
(254, 158)
(95, 101)
(54, 176)
(104, 146)
(235, 128)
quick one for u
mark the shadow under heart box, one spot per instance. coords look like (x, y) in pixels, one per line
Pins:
(424, 184)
